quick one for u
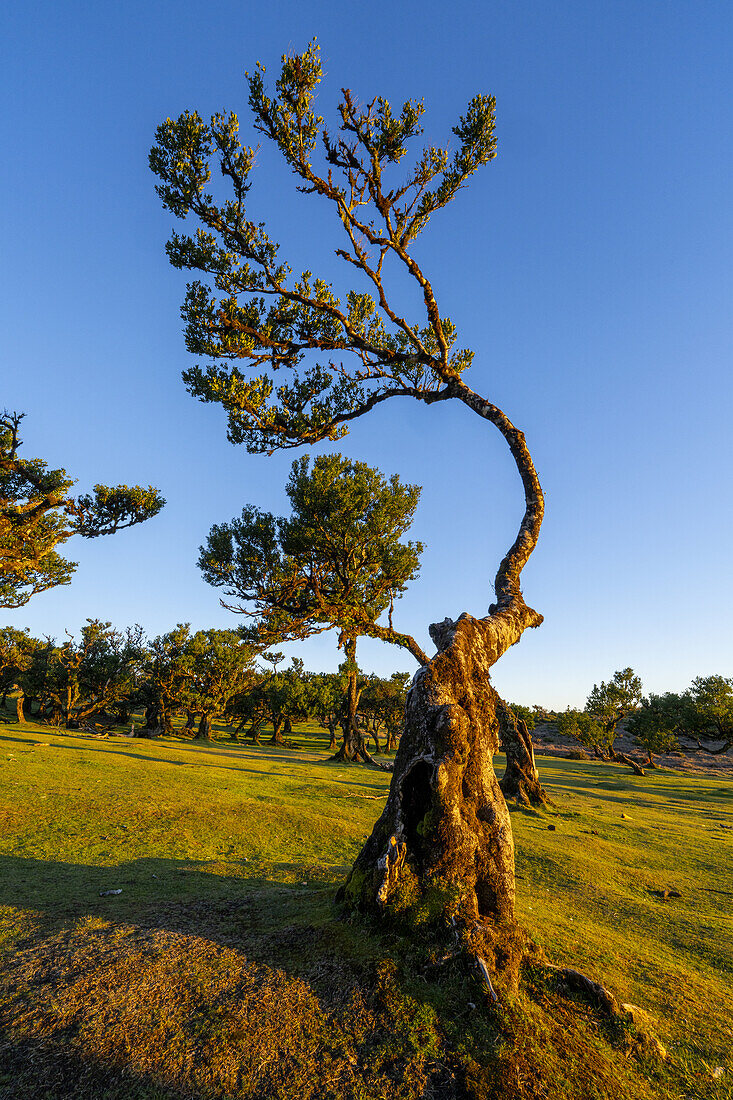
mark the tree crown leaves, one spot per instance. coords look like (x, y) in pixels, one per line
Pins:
(250, 309)
(38, 513)
(337, 561)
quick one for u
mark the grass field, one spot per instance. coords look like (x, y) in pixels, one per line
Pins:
(223, 969)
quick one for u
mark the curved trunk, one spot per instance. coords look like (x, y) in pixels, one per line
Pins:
(624, 758)
(204, 731)
(19, 708)
(445, 830)
(521, 780)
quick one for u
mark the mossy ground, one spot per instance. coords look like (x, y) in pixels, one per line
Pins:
(223, 970)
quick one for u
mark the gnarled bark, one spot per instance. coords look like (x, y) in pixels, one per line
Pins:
(204, 731)
(445, 827)
(624, 758)
(521, 780)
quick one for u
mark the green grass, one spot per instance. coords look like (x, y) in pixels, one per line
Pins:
(222, 967)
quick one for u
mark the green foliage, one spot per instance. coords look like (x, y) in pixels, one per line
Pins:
(585, 729)
(710, 711)
(251, 309)
(337, 561)
(80, 679)
(611, 702)
(37, 514)
(16, 651)
(276, 697)
(655, 725)
(703, 713)
(383, 701)
(219, 664)
(527, 714)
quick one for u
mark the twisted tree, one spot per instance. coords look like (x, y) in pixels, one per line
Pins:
(445, 826)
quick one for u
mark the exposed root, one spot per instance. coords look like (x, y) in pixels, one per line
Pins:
(596, 992)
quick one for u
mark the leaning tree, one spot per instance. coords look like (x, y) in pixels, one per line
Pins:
(445, 826)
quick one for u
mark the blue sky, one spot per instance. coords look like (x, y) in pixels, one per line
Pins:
(589, 267)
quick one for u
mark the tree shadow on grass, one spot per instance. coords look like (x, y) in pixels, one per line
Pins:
(276, 914)
(195, 951)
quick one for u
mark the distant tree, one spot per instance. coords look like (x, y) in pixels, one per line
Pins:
(708, 715)
(326, 692)
(383, 701)
(37, 514)
(585, 729)
(337, 562)
(610, 704)
(281, 698)
(167, 675)
(220, 666)
(607, 706)
(80, 680)
(259, 320)
(656, 724)
(16, 653)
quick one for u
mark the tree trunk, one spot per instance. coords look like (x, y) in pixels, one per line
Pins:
(204, 730)
(152, 717)
(352, 745)
(19, 707)
(445, 830)
(521, 779)
(254, 731)
(623, 758)
(277, 737)
(190, 720)
(332, 730)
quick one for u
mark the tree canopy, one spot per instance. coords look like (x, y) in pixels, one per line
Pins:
(253, 315)
(337, 561)
(38, 514)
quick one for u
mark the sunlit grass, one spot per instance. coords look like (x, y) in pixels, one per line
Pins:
(241, 847)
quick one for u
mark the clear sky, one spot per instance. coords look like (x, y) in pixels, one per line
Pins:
(589, 267)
